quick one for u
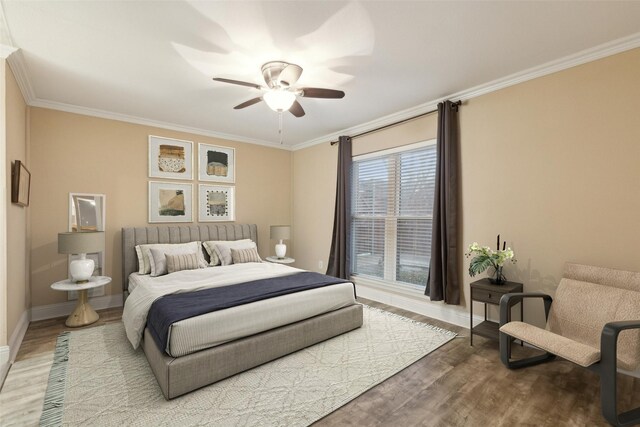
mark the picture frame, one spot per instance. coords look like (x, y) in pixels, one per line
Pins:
(20, 184)
(88, 212)
(216, 163)
(170, 158)
(170, 202)
(216, 203)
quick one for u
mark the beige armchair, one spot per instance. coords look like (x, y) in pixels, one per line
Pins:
(592, 306)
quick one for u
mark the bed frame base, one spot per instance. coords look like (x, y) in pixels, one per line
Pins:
(177, 376)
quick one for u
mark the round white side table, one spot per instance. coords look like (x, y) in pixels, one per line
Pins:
(285, 260)
(83, 314)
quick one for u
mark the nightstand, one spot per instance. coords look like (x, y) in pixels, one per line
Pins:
(488, 293)
(83, 314)
(285, 260)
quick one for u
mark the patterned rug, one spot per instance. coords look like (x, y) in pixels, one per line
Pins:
(98, 379)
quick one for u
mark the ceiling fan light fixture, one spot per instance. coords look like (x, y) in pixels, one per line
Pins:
(279, 100)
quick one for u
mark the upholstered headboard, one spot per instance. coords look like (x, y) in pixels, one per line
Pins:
(132, 236)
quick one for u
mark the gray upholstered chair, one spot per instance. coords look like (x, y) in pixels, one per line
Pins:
(592, 306)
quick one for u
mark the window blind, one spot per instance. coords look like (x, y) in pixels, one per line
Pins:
(392, 210)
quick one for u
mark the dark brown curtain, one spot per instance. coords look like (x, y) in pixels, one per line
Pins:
(340, 258)
(443, 271)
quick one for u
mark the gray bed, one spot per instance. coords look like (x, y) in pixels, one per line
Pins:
(177, 376)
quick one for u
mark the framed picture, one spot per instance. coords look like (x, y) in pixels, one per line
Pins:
(216, 203)
(169, 202)
(20, 184)
(170, 158)
(216, 163)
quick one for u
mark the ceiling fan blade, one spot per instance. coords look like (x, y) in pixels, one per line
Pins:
(296, 109)
(237, 82)
(314, 92)
(248, 103)
(290, 74)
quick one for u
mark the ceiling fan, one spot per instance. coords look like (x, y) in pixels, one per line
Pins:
(279, 94)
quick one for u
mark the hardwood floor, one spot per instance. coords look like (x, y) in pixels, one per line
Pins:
(456, 385)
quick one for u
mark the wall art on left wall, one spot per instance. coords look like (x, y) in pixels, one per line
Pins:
(20, 184)
(169, 202)
(170, 158)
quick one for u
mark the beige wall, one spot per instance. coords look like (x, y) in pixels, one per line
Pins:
(552, 164)
(17, 221)
(75, 153)
(420, 129)
(314, 189)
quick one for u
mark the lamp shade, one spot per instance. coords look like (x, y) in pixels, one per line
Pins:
(280, 232)
(80, 242)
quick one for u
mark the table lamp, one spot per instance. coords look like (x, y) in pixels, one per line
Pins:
(280, 232)
(81, 243)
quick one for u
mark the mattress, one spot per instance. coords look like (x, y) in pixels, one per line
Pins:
(212, 329)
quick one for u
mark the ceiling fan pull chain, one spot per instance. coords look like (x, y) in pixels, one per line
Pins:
(280, 126)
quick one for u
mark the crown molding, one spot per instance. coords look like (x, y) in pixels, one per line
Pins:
(582, 57)
(6, 51)
(373, 124)
(17, 64)
(19, 68)
(85, 111)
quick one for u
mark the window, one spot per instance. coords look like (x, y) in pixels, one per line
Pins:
(392, 208)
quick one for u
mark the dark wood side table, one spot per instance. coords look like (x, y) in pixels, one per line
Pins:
(483, 291)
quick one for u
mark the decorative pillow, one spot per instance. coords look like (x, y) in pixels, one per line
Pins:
(240, 256)
(224, 251)
(143, 252)
(181, 262)
(159, 261)
(211, 245)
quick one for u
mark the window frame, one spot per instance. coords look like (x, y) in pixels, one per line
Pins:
(391, 223)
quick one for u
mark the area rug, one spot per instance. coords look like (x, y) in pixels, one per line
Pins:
(98, 379)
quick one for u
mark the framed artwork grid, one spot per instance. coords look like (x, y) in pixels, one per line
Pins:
(216, 203)
(216, 163)
(170, 158)
(170, 202)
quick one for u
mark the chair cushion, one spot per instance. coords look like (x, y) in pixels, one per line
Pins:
(566, 348)
(581, 309)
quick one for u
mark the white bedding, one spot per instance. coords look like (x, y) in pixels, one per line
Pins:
(146, 290)
(215, 328)
(135, 279)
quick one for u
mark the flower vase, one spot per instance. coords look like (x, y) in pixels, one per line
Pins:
(497, 278)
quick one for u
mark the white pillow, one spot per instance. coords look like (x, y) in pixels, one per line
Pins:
(223, 251)
(211, 245)
(144, 262)
(159, 260)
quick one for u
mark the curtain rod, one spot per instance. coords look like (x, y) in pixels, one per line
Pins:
(455, 104)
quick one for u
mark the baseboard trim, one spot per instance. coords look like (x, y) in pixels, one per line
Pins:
(4, 354)
(451, 314)
(18, 335)
(4, 364)
(4, 371)
(51, 311)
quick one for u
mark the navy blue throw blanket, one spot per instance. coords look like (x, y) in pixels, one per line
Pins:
(172, 308)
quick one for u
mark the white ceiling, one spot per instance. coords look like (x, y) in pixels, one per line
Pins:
(154, 60)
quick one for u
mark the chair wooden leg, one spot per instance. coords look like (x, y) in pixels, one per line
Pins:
(609, 403)
(608, 370)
